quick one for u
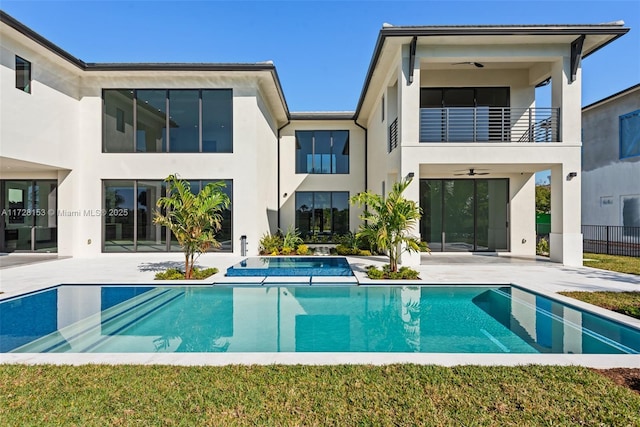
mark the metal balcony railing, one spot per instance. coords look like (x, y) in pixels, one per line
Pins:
(393, 135)
(489, 124)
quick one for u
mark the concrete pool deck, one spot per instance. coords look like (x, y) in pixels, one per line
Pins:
(537, 274)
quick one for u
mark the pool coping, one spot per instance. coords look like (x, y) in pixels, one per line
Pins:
(600, 361)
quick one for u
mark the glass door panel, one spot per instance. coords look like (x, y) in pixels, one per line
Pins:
(491, 214)
(151, 237)
(458, 215)
(45, 204)
(18, 220)
(431, 221)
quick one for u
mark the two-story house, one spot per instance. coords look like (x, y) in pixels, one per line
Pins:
(84, 147)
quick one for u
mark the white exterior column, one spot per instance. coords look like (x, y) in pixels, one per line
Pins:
(565, 239)
(409, 131)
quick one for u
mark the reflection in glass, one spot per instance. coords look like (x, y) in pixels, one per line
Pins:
(119, 202)
(304, 152)
(217, 121)
(45, 204)
(322, 213)
(150, 237)
(184, 119)
(117, 126)
(225, 236)
(151, 133)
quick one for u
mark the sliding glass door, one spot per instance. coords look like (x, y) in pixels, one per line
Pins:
(463, 215)
(29, 216)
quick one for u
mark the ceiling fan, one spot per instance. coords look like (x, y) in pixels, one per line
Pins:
(472, 172)
(476, 64)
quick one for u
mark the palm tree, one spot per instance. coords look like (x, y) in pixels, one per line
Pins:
(193, 219)
(388, 221)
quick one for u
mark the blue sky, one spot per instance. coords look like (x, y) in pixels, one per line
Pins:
(321, 49)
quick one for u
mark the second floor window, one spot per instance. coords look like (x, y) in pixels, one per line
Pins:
(630, 135)
(174, 121)
(23, 74)
(322, 151)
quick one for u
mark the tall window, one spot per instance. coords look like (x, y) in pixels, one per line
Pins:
(23, 74)
(174, 121)
(129, 207)
(322, 213)
(630, 135)
(322, 152)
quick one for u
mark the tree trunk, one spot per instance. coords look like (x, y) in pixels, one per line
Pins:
(187, 267)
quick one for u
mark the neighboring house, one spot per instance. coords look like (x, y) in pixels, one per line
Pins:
(611, 160)
(85, 146)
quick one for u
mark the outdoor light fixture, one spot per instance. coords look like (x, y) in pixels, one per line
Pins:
(285, 194)
(411, 175)
(571, 175)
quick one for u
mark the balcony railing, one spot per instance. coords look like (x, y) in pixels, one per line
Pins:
(489, 124)
(393, 135)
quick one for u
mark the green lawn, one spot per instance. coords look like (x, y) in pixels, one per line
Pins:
(622, 302)
(622, 264)
(94, 395)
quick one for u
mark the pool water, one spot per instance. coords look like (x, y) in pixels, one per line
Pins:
(427, 319)
(291, 266)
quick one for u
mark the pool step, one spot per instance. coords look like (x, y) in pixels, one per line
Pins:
(85, 334)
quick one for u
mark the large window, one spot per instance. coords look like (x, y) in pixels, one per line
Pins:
(174, 121)
(322, 213)
(630, 135)
(23, 74)
(129, 206)
(322, 152)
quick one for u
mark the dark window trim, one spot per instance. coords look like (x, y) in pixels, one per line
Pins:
(19, 84)
(167, 124)
(475, 92)
(169, 248)
(313, 150)
(622, 117)
(312, 208)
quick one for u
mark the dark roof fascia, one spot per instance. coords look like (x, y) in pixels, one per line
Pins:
(420, 31)
(347, 115)
(28, 32)
(610, 97)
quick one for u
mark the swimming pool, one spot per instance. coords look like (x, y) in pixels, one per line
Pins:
(291, 266)
(381, 319)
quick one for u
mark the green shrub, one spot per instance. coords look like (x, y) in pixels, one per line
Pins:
(286, 250)
(345, 250)
(542, 247)
(292, 238)
(302, 249)
(176, 274)
(374, 273)
(271, 243)
(404, 273)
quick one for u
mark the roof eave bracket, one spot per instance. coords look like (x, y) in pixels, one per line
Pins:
(412, 57)
(576, 55)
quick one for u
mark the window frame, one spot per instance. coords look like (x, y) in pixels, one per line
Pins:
(166, 148)
(20, 79)
(628, 116)
(331, 153)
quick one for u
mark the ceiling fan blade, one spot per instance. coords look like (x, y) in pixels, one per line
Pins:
(482, 173)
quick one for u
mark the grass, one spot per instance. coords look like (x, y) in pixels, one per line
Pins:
(621, 264)
(98, 395)
(622, 302)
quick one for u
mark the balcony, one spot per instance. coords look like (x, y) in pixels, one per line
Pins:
(489, 124)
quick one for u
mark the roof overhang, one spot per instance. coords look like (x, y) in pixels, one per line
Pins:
(584, 39)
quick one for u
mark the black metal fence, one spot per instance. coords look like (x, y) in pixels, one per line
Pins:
(611, 240)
